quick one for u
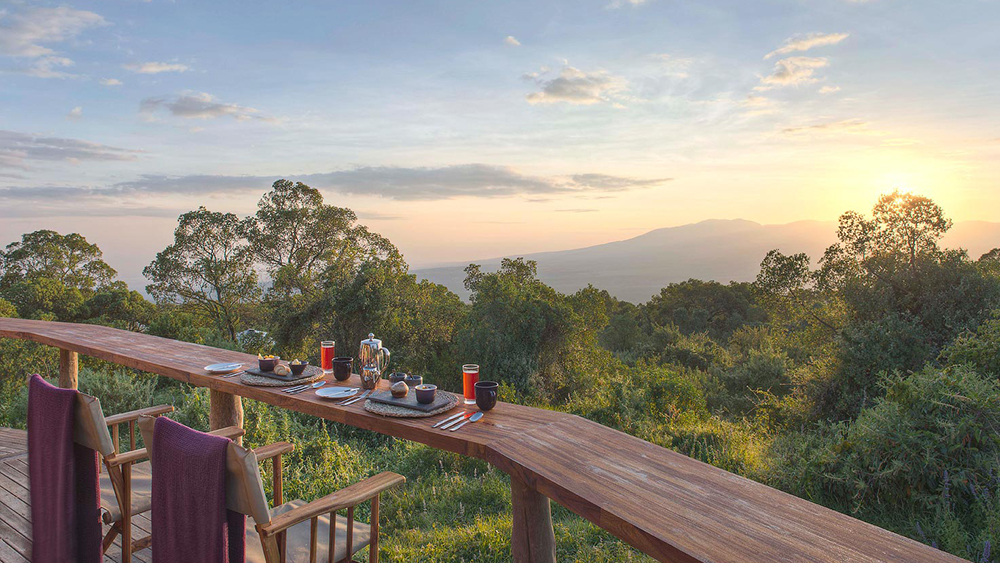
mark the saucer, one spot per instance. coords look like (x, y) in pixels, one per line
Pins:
(337, 392)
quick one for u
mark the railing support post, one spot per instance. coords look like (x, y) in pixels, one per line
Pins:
(532, 539)
(225, 410)
(68, 369)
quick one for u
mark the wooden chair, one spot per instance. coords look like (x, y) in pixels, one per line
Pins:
(125, 483)
(295, 531)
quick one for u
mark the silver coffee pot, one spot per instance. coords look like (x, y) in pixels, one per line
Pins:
(373, 359)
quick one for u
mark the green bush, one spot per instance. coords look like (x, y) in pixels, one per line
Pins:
(922, 460)
(979, 350)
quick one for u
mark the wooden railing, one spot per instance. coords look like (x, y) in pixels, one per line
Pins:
(664, 504)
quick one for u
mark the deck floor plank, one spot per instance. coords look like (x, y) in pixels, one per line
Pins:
(15, 506)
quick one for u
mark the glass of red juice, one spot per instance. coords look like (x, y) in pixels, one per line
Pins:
(470, 376)
(327, 350)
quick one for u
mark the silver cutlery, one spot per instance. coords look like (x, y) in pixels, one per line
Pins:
(316, 385)
(474, 418)
(449, 419)
(293, 388)
(464, 417)
(234, 374)
(356, 399)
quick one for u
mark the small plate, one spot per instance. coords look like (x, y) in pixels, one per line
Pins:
(223, 368)
(337, 392)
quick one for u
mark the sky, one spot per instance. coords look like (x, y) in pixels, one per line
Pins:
(465, 130)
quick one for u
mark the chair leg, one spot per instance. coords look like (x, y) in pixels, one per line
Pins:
(373, 542)
(126, 522)
(109, 538)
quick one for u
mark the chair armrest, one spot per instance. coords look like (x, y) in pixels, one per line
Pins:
(271, 450)
(231, 432)
(126, 457)
(134, 415)
(346, 497)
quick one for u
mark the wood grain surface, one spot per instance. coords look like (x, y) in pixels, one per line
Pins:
(665, 504)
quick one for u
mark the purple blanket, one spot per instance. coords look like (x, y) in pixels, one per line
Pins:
(189, 515)
(62, 476)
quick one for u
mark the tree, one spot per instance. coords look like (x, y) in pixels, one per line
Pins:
(699, 306)
(297, 237)
(69, 259)
(520, 330)
(208, 269)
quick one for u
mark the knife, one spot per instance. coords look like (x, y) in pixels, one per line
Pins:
(457, 420)
(449, 419)
(356, 399)
(474, 418)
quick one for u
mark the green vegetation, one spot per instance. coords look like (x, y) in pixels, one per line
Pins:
(866, 381)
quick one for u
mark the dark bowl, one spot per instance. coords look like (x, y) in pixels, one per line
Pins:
(425, 393)
(397, 377)
(268, 364)
(297, 369)
(413, 380)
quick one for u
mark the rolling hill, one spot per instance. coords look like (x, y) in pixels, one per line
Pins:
(721, 250)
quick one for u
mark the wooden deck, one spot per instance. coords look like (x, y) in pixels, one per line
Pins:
(663, 503)
(15, 502)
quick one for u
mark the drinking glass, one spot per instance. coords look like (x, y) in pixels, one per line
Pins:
(470, 376)
(327, 350)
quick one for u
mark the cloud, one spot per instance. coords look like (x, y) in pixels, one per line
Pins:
(855, 126)
(26, 34)
(110, 82)
(574, 86)
(17, 148)
(792, 71)
(806, 42)
(156, 68)
(198, 105)
(615, 4)
(676, 67)
(829, 89)
(399, 183)
(757, 105)
(511, 41)
(46, 67)
(75, 113)
(575, 210)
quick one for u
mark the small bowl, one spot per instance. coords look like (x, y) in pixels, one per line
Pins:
(397, 377)
(425, 393)
(297, 369)
(267, 364)
(413, 380)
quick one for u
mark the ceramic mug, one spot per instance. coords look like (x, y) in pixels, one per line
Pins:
(342, 368)
(486, 394)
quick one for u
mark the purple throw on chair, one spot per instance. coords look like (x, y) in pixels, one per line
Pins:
(191, 523)
(62, 476)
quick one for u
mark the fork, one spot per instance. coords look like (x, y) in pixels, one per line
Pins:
(356, 399)
(234, 374)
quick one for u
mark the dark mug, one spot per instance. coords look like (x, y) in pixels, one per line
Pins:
(342, 368)
(486, 394)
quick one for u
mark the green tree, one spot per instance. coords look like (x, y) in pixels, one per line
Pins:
(209, 269)
(699, 306)
(69, 259)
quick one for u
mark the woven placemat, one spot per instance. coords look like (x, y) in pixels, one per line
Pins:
(261, 381)
(403, 412)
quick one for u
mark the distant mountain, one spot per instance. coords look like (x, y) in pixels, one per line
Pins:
(723, 250)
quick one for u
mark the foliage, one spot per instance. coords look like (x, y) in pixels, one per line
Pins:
(208, 269)
(921, 460)
(68, 259)
(696, 306)
(979, 349)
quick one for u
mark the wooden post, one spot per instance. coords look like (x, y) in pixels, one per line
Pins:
(225, 410)
(532, 540)
(68, 369)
